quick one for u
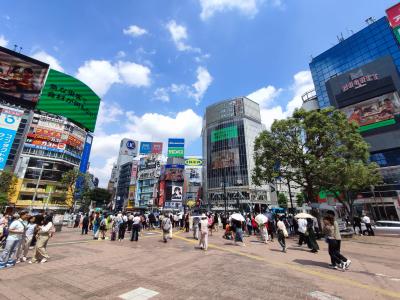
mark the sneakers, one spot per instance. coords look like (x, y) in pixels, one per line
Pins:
(333, 267)
(342, 266)
(23, 259)
(347, 264)
(43, 261)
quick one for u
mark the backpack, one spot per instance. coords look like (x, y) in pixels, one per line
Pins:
(167, 224)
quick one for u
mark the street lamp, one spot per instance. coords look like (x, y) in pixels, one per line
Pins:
(37, 183)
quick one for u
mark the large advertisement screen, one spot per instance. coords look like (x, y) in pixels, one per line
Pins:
(67, 96)
(176, 147)
(376, 112)
(225, 158)
(21, 77)
(174, 172)
(9, 122)
(224, 134)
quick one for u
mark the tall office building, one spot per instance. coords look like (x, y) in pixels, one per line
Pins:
(360, 76)
(230, 128)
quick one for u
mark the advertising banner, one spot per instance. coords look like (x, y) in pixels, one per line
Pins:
(161, 198)
(21, 77)
(86, 154)
(225, 158)
(132, 192)
(134, 172)
(393, 15)
(193, 174)
(193, 162)
(376, 112)
(69, 97)
(174, 172)
(224, 134)
(177, 193)
(145, 148)
(9, 123)
(128, 147)
(156, 148)
(176, 147)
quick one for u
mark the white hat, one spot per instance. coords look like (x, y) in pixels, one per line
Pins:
(203, 216)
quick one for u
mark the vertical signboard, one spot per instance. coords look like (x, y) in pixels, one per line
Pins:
(393, 15)
(9, 122)
(176, 147)
(86, 154)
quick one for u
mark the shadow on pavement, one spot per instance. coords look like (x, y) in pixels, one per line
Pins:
(307, 262)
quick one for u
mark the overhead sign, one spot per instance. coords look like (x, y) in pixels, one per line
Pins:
(145, 148)
(176, 147)
(21, 77)
(193, 162)
(86, 154)
(9, 123)
(69, 97)
(224, 134)
(151, 148)
(128, 147)
(393, 14)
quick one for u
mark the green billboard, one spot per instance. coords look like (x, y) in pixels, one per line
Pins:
(176, 152)
(224, 134)
(66, 96)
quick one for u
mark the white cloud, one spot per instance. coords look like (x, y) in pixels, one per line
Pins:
(134, 31)
(266, 97)
(100, 75)
(3, 41)
(246, 7)
(134, 74)
(179, 36)
(51, 60)
(204, 80)
(121, 54)
(108, 113)
(162, 94)
(148, 127)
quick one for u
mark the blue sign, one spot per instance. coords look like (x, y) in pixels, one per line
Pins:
(131, 145)
(86, 154)
(176, 143)
(6, 140)
(174, 166)
(145, 147)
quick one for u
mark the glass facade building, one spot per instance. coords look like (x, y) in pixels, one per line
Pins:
(374, 41)
(229, 130)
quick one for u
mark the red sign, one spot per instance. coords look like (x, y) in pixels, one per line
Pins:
(156, 148)
(47, 144)
(393, 14)
(161, 198)
(74, 142)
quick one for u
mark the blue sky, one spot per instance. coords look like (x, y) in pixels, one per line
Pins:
(158, 64)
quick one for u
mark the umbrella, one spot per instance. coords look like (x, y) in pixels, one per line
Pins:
(237, 217)
(304, 216)
(261, 219)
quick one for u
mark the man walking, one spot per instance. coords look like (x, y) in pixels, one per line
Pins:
(302, 223)
(15, 234)
(204, 232)
(367, 221)
(135, 228)
(85, 224)
(166, 226)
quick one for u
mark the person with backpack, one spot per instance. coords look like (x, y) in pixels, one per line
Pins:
(282, 233)
(166, 226)
(16, 230)
(45, 232)
(103, 226)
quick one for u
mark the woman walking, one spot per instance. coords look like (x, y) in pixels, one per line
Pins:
(282, 233)
(311, 237)
(203, 244)
(44, 234)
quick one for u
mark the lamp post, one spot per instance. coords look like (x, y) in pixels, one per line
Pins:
(37, 184)
(224, 187)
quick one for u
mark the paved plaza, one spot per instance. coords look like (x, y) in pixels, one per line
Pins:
(81, 268)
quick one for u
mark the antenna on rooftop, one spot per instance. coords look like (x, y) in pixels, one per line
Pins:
(15, 47)
(370, 20)
(20, 49)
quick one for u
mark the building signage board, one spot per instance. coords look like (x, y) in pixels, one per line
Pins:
(176, 147)
(393, 14)
(145, 148)
(86, 154)
(9, 123)
(193, 162)
(69, 97)
(128, 147)
(224, 134)
(151, 148)
(225, 158)
(156, 148)
(21, 77)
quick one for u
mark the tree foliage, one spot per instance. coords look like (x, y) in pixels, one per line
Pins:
(282, 200)
(316, 150)
(101, 196)
(8, 182)
(300, 199)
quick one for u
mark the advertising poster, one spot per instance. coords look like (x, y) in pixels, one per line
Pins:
(376, 112)
(174, 172)
(128, 147)
(134, 172)
(9, 123)
(67, 96)
(225, 158)
(176, 147)
(177, 193)
(193, 174)
(161, 199)
(393, 14)
(86, 154)
(21, 77)
(193, 162)
(156, 148)
(132, 193)
(224, 134)
(145, 148)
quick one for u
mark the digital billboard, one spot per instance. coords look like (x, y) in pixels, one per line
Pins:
(86, 154)
(225, 158)
(371, 80)
(69, 97)
(193, 174)
(9, 123)
(224, 134)
(174, 172)
(21, 77)
(376, 112)
(176, 147)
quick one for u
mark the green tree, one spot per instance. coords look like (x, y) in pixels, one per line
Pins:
(300, 199)
(101, 196)
(316, 150)
(282, 200)
(8, 182)
(68, 181)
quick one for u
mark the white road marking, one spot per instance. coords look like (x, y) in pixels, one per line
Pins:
(390, 277)
(138, 294)
(323, 296)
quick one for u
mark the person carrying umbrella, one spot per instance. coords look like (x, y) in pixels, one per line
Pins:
(262, 222)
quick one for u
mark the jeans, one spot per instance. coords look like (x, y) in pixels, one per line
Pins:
(135, 232)
(334, 252)
(9, 251)
(24, 247)
(239, 235)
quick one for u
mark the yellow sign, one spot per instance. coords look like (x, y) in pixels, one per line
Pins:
(193, 162)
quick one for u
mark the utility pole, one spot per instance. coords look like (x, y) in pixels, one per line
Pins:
(290, 196)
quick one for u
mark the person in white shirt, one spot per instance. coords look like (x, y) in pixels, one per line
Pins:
(302, 230)
(204, 232)
(26, 241)
(135, 228)
(45, 232)
(367, 221)
(15, 234)
(282, 233)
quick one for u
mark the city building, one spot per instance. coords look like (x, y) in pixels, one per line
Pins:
(149, 171)
(46, 118)
(230, 128)
(360, 76)
(123, 183)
